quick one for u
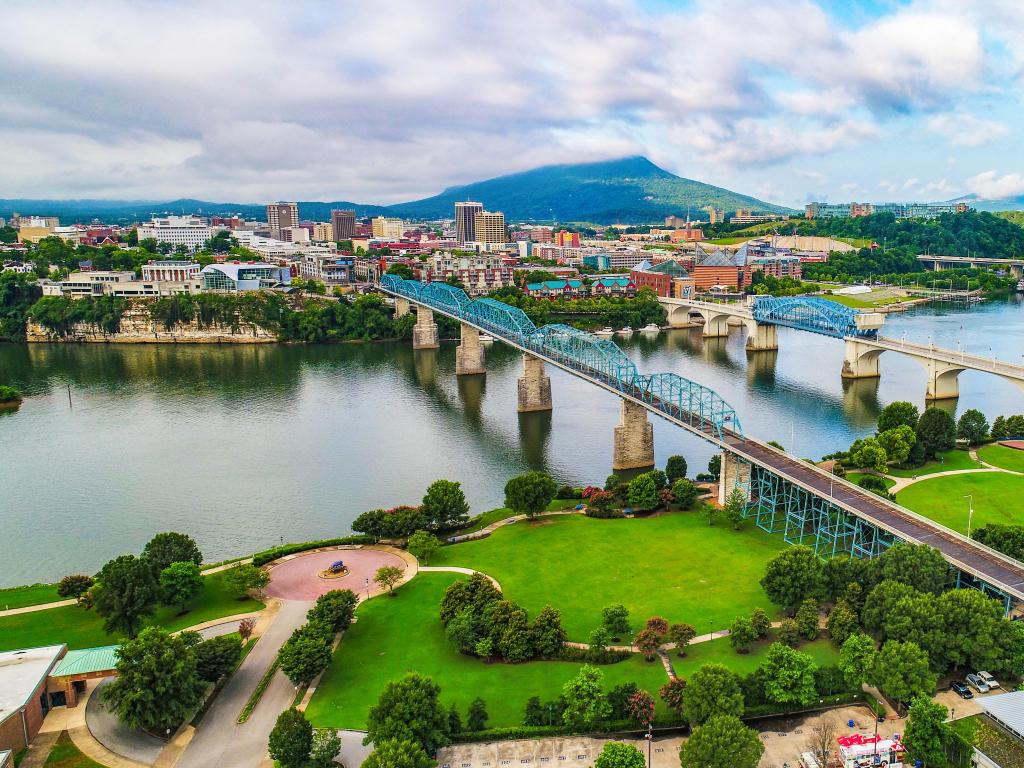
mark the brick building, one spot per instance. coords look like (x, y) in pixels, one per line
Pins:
(731, 269)
(24, 701)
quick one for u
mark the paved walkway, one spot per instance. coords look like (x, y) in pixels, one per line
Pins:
(457, 569)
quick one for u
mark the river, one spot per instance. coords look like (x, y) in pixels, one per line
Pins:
(244, 446)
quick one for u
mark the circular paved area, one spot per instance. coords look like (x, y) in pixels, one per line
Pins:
(299, 578)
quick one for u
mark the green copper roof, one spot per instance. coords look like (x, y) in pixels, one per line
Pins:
(86, 661)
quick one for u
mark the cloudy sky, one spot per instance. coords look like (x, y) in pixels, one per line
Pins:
(789, 100)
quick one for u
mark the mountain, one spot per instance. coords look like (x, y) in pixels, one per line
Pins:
(1000, 204)
(629, 190)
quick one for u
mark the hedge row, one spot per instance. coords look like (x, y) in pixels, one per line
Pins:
(541, 731)
(264, 557)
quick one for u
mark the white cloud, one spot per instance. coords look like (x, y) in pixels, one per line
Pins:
(965, 130)
(989, 185)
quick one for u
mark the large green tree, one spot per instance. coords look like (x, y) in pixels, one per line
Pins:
(157, 684)
(712, 690)
(530, 494)
(615, 754)
(857, 659)
(867, 452)
(445, 505)
(422, 545)
(585, 701)
(788, 675)
(398, 753)
(409, 709)
(126, 593)
(643, 492)
(936, 431)
(901, 671)
(291, 739)
(615, 619)
(241, 578)
(722, 742)
(792, 576)
(922, 567)
(334, 609)
(171, 547)
(675, 468)
(897, 443)
(925, 731)
(179, 583)
(897, 414)
(217, 656)
(970, 622)
(548, 634)
(972, 427)
(306, 653)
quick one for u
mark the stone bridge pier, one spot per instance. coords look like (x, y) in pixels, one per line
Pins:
(469, 355)
(761, 336)
(424, 333)
(715, 325)
(401, 307)
(634, 438)
(943, 379)
(861, 361)
(733, 474)
(534, 386)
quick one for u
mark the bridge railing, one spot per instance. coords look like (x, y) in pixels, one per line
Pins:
(600, 359)
(809, 313)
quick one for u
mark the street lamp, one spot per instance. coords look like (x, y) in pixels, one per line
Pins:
(649, 735)
(970, 513)
(367, 587)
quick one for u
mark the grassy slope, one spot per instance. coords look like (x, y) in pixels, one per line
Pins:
(996, 499)
(949, 460)
(1001, 456)
(394, 636)
(492, 516)
(676, 566)
(84, 629)
(33, 594)
(66, 755)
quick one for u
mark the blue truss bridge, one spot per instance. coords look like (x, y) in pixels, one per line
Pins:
(785, 495)
(812, 313)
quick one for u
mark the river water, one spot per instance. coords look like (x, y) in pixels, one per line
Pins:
(243, 446)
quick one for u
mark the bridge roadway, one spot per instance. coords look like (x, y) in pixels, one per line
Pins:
(957, 358)
(988, 565)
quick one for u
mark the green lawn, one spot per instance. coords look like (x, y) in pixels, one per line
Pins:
(1001, 456)
(486, 518)
(728, 240)
(996, 499)
(66, 755)
(675, 566)
(854, 477)
(84, 629)
(955, 459)
(395, 636)
(33, 594)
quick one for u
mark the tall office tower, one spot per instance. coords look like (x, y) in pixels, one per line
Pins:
(490, 227)
(282, 215)
(343, 224)
(465, 221)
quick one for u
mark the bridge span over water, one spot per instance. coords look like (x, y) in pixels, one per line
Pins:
(785, 495)
(859, 331)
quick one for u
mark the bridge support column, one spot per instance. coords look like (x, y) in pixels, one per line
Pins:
(469, 355)
(943, 380)
(716, 326)
(401, 307)
(733, 473)
(424, 333)
(534, 386)
(861, 361)
(762, 336)
(634, 438)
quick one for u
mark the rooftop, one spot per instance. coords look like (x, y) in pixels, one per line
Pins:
(1007, 709)
(86, 661)
(21, 672)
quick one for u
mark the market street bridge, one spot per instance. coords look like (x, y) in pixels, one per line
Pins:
(859, 331)
(803, 502)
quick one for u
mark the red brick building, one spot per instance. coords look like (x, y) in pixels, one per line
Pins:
(24, 701)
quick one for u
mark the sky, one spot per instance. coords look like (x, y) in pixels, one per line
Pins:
(790, 100)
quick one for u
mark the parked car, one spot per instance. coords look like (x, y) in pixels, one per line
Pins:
(961, 690)
(990, 681)
(978, 684)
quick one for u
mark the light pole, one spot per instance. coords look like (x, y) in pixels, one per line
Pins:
(649, 735)
(367, 587)
(970, 512)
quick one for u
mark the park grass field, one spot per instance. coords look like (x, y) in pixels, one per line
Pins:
(996, 499)
(950, 460)
(486, 518)
(674, 566)
(66, 755)
(32, 594)
(395, 636)
(84, 629)
(1003, 457)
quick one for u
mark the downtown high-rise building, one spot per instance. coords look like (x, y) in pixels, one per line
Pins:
(343, 224)
(465, 221)
(489, 227)
(281, 216)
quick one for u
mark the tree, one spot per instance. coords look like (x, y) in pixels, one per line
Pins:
(618, 700)
(291, 739)
(598, 642)
(807, 619)
(868, 453)
(712, 690)
(455, 720)
(792, 576)
(936, 431)
(922, 567)
(403, 271)
(245, 627)
(970, 623)
(1008, 539)
(612, 482)
(672, 693)
(585, 702)
(125, 594)
(722, 742)
(409, 709)
(398, 753)
(548, 634)
(326, 746)
(171, 547)
(534, 714)
(217, 656)
(658, 625)
(857, 659)
(882, 602)
(822, 741)
(901, 671)
(475, 593)
(444, 505)
(925, 731)
(648, 642)
(788, 675)
(741, 634)
(999, 428)
(715, 466)
(899, 413)
(681, 635)
(422, 545)
(615, 754)
(616, 620)
(179, 583)
(74, 585)
(530, 494)
(897, 443)
(306, 653)
(241, 578)
(675, 468)
(388, 576)
(788, 634)
(735, 506)
(972, 427)
(685, 492)
(157, 685)
(334, 609)
(842, 622)
(761, 622)
(476, 719)
(643, 493)
(640, 708)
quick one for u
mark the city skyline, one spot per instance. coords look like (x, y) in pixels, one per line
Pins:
(803, 101)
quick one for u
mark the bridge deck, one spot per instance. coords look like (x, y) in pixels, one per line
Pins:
(951, 356)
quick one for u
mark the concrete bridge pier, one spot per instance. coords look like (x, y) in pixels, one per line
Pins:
(424, 333)
(943, 380)
(534, 386)
(401, 307)
(679, 317)
(715, 326)
(634, 438)
(861, 361)
(762, 336)
(469, 355)
(734, 473)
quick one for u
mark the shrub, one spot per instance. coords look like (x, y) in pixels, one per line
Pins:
(566, 492)
(268, 555)
(74, 585)
(217, 656)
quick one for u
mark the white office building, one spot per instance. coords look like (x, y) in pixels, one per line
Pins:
(190, 231)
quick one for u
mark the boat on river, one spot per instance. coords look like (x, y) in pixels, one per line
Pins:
(605, 332)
